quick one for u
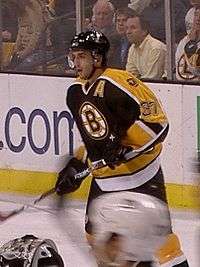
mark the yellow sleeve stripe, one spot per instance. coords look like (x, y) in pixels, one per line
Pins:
(121, 87)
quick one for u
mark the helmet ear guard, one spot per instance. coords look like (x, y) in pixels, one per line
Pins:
(30, 251)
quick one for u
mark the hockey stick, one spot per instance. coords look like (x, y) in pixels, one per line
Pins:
(6, 215)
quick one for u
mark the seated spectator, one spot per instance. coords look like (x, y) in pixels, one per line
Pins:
(139, 5)
(63, 26)
(188, 49)
(103, 17)
(194, 4)
(9, 31)
(103, 20)
(146, 56)
(9, 22)
(30, 42)
(155, 14)
(121, 17)
(117, 3)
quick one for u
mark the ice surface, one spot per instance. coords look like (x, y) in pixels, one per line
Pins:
(66, 229)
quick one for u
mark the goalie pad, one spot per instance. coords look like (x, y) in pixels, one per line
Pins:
(140, 222)
(30, 251)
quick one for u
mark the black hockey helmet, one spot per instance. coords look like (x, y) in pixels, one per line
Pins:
(30, 251)
(93, 40)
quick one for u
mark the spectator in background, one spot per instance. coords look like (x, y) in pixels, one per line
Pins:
(194, 4)
(188, 49)
(139, 5)
(9, 31)
(9, 22)
(117, 3)
(103, 17)
(64, 25)
(146, 56)
(155, 14)
(121, 17)
(103, 20)
(30, 43)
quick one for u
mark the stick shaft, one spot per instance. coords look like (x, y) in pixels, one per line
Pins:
(7, 215)
(96, 165)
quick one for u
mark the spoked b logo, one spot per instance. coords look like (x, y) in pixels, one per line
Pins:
(93, 121)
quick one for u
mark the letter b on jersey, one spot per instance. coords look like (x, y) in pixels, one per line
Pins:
(93, 121)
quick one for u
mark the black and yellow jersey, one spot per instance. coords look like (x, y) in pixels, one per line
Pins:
(119, 104)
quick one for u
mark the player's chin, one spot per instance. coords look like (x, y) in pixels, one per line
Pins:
(80, 73)
(83, 76)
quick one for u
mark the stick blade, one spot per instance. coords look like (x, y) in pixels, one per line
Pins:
(6, 215)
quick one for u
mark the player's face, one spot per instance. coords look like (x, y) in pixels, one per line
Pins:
(134, 32)
(83, 63)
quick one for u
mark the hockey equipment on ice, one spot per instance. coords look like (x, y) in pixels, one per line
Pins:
(140, 223)
(30, 251)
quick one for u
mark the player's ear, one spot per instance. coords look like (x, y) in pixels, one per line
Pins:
(98, 60)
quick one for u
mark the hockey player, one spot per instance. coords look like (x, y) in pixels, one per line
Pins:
(121, 122)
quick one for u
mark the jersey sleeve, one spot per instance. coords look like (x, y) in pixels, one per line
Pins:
(138, 111)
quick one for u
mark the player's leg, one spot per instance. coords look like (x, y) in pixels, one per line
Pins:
(107, 252)
(110, 252)
(154, 187)
(170, 254)
(112, 246)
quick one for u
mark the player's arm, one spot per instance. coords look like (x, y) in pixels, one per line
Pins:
(66, 180)
(124, 107)
(123, 111)
(130, 117)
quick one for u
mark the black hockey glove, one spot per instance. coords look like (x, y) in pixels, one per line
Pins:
(66, 181)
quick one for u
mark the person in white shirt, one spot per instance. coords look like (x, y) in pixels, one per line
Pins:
(147, 55)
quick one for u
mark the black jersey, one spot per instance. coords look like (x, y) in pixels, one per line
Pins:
(118, 104)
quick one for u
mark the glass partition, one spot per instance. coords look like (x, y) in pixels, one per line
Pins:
(36, 34)
(153, 39)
